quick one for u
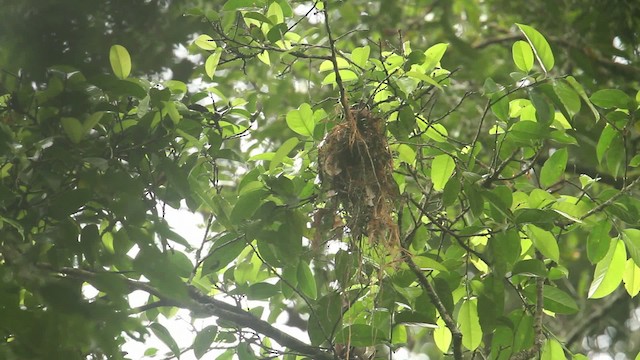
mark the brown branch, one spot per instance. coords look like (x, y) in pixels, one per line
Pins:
(344, 101)
(537, 325)
(203, 304)
(611, 200)
(456, 335)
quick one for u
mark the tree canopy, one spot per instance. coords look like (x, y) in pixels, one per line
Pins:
(379, 180)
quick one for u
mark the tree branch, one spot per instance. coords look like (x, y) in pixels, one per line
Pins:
(201, 303)
(435, 299)
(344, 101)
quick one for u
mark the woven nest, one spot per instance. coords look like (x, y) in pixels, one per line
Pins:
(356, 166)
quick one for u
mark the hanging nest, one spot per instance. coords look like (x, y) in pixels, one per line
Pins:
(356, 166)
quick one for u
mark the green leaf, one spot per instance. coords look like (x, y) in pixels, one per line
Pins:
(609, 271)
(609, 133)
(264, 57)
(360, 55)
(433, 55)
(540, 47)
(553, 169)
(92, 121)
(203, 340)
(442, 168)
(544, 109)
(442, 336)
(224, 250)
(345, 76)
(568, 96)
(327, 65)
(360, 335)
(530, 267)
(301, 120)
(120, 61)
(205, 42)
(610, 98)
(500, 105)
(469, 324)
(580, 90)
(73, 129)
(163, 334)
(557, 301)
(522, 55)
(246, 206)
(282, 152)
(598, 241)
(544, 241)
(552, 350)
(262, 291)
(239, 4)
(423, 77)
(631, 238)
(306, 280)
(631, 278)
(212, 63)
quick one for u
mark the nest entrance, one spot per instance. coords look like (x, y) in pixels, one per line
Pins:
(356, 166)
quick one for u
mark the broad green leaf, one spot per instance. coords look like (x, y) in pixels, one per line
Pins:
(568, 96)
(553, 169)
(530, 267)
(92, 121)
(522, 55)
(427, 263)
(275, 13)
(239, 4)
(609, 271)
(282, 152)
(500, 106)
(552, 350)
(73, 129)
(540, 47)
(360, 55)
(301, 120)
(544, 109)
(598, 241)
(423, 77)
(631, 238)
(558, 301)
(264, 57)
(120, 61)
(469, 324)
(610, 98)
(224, 250)
(163, 334)
(528, 131)
(544, 241)
(580, 90)
(180, 263)
(246, 206)
(433, 55)
(212, 63)
(205, 42)
(345, 76)
(436, 132)
(306, 280)
(327, 65)
(203, 340)
(604, 142)
(442, 336)
(442, 168)
(631, 278)
(262, 291)
(360, 335)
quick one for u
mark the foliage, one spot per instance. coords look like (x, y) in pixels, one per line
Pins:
(351, 181)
